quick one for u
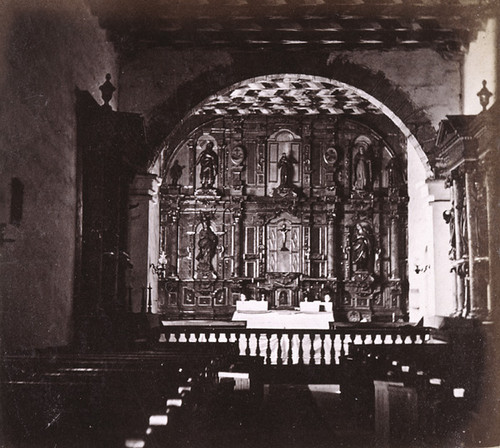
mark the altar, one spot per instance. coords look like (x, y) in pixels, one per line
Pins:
(285, 319)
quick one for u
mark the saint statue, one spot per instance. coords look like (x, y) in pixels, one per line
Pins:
(362, 246)
(207, 246)
(208, 161)
(362, 166)
(285, 166)
(176, 172)
(449, 218)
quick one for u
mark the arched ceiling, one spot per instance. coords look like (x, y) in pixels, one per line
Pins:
(286, 94)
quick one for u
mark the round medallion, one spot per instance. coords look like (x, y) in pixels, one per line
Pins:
(237, 154)
(330, 155)
(353, 316)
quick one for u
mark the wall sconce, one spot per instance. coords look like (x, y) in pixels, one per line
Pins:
(419, 269)
(484, 96)
(161, 268)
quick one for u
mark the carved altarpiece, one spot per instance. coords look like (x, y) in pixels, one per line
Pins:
(334, 223)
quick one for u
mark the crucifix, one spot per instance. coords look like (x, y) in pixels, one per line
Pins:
(284, 232)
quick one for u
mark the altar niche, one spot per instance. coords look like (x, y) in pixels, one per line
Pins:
(285, 209)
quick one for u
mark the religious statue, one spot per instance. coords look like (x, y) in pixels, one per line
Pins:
(392, 175)
(285, 166)
(283, 298)
(449, 218)
(176, 172)
(362, 175)
(208, 161)
(362, 246)
(207, 246)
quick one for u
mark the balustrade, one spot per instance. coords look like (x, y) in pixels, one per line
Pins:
(296, 346)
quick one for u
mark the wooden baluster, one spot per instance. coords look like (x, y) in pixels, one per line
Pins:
(247, 351)
(301, 349)
(257, 348)
(290, 340)
(279, 361)
(333, 337)
(268, 351)
(322, 350)
(342, 348)
(312, 337)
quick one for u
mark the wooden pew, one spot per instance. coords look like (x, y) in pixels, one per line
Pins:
(48, 390)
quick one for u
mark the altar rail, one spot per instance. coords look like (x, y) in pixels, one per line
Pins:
(293, 346)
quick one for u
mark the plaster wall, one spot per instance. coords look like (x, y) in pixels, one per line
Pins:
(481, 63)
(152, 77)
(47, 49)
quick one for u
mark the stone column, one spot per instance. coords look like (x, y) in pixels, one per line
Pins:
(144, 238)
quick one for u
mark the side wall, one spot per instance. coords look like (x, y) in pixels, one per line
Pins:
(46, 51)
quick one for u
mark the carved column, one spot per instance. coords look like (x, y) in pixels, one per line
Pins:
(493, 211)
(394, 254)
(237, 242)
(477, 305)
(459, 250)
(331, 243)
(174, 242)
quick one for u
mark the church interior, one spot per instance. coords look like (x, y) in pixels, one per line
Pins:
(249, 223)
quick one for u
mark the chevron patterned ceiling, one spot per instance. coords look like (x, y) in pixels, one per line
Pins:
(287, 95)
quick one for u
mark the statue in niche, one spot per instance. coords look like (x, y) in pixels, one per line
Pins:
(285, 166)
(362, 176)
(208, 161)
(175, 172)
(392, 174)
(362, 247)
(283, 298)
(449, 218)
(207, 246)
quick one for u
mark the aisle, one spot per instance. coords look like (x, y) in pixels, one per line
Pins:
(290, 416)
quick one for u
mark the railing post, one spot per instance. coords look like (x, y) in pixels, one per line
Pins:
(150, 305)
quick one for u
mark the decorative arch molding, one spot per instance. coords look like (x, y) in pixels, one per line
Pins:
(170, 117)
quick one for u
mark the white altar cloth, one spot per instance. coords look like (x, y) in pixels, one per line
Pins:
(286, 319)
